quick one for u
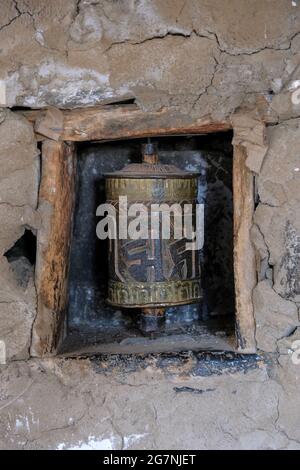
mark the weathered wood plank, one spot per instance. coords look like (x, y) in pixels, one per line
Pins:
(56, 203)
(244, 255)
(111, 123)
(120, 122)
(50, 124)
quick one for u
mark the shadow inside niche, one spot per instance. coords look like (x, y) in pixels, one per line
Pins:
(22, 257)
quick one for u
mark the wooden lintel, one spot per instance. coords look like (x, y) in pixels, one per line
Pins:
(56, 207)
(114, 122)
(129, 122)
(111, 122)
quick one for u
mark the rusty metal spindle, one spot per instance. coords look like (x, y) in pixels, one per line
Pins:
(151, 318)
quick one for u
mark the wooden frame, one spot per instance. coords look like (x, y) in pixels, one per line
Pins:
(245, 277)
(59, 131)
(56, 206)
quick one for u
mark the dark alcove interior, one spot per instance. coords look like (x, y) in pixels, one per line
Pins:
(92, 325)
(22, 258)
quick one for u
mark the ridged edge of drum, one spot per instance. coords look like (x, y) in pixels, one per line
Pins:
(148, 189)
(153, 294)
(152, 171)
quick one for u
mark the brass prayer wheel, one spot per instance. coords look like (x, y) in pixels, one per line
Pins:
(156, 270)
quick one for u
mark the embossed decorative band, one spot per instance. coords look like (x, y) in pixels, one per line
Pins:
(136, 294)
(152, 189)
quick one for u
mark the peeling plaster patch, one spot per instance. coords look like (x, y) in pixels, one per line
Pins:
(276, 84)
(30, 101)
(294, 85)
(87, 27)
(26, 422)
(40, 37)
(148, 13)
(72, 85)
(93, 443)
(15, 91)
(50, 70)
(132, 439)
(19, 424)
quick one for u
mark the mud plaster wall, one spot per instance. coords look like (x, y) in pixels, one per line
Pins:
(19, 179)
(200, 57)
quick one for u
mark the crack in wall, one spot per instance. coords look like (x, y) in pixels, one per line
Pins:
(208, 86)
(19, 13)
(277, 426)
(211, 36)
(152, 38)
(255, 51)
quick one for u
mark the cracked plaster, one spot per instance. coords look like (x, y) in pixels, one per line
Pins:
(202, 57)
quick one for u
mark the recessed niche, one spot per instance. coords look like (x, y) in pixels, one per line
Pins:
(92, 325)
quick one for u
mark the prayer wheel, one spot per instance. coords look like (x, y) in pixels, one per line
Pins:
(153, 267)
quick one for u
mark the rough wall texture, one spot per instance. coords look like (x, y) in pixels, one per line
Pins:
(203, 57)
(206, 57)
(276, 235)
(96, 405)
(19, 180)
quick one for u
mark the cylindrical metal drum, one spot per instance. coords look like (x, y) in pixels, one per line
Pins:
(158, 270)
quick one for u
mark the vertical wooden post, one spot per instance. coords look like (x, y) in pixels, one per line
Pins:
(56, 204)
(244, 255)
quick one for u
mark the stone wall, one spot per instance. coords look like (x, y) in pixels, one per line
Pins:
(19, 179)
(199, 57)
(276, 236)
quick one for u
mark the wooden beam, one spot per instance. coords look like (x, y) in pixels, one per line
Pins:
(104, 123)
(56, 204)
(111, 123)
(244, 254)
